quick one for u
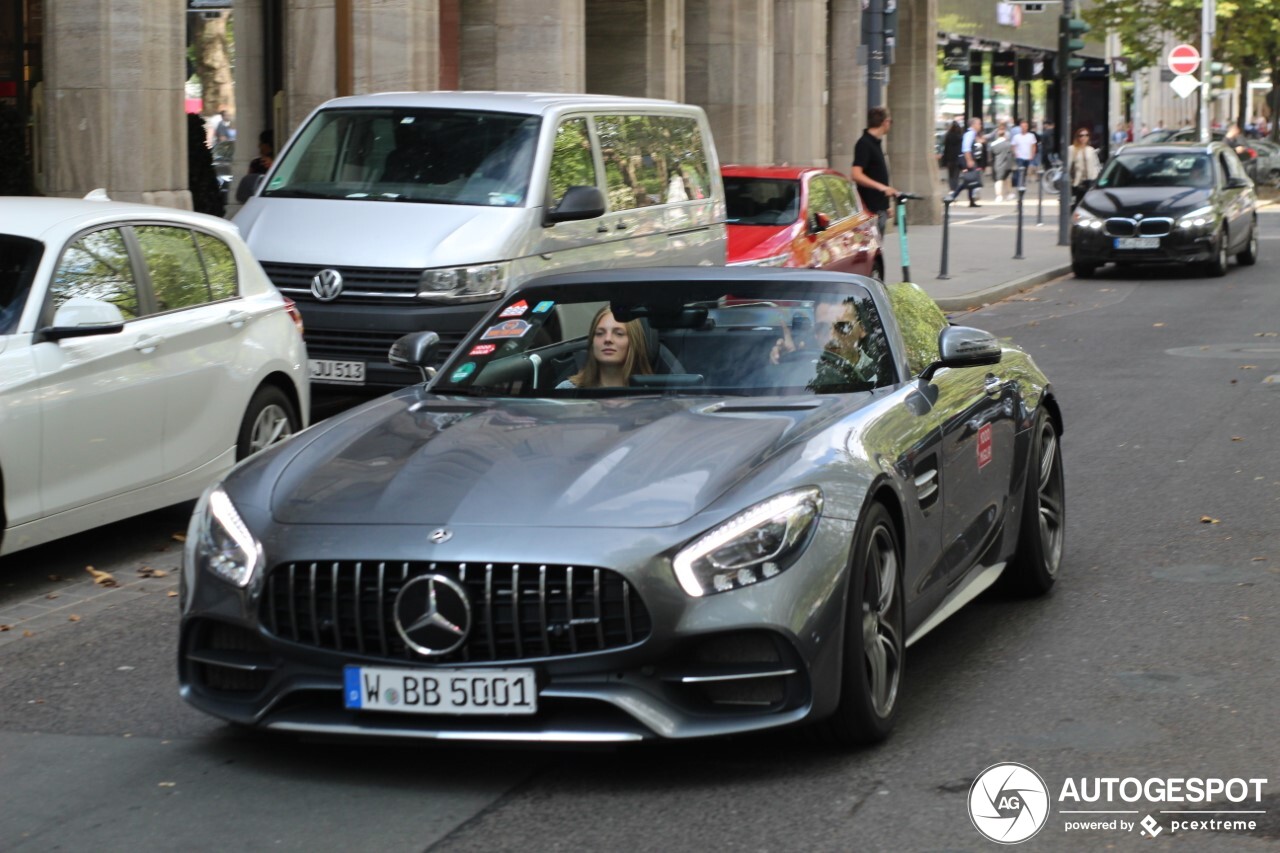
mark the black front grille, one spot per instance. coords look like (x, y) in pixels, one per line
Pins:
(1121, 227)
(366, 346)
(1155, 227)
(518, 611)
(360, 285)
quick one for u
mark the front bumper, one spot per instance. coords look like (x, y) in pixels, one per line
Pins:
(761, 657)
(1096, 247)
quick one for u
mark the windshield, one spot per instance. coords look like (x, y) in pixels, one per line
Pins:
(19, 258)
(1157, 169)
(766, 337)
(437, 156)
(761, 201)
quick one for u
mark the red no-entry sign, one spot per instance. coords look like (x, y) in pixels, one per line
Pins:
(1184, 59)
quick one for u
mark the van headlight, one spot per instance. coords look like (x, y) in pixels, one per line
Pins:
(1200, 219)
(753, 546)
(225, 546)
(464, 284)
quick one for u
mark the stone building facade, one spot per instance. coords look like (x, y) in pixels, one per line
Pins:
(780, 79)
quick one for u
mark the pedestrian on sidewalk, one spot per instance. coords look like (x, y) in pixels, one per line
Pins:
(1024, 151)
(1001, 160)
(972, 152)
(1084, 165)
(870, 169)
(951, 153)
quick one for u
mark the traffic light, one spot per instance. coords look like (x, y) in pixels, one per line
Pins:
(1215, 74)
(1070, 39)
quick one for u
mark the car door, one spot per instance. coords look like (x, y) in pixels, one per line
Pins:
(192, 277)
(978, 409)
(1237, 202)
(583, 243)
(101, 396)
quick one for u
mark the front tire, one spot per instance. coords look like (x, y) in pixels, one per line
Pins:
(874, 647)
(1249, 256)
(1082, 270)
(1034, 567)
(1218, 266)
(270, 418)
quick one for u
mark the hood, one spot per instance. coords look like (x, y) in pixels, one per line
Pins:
(379, 233)
(754, 242)
(1149, 201)
(429, 460)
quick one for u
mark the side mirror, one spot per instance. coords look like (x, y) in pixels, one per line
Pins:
(1238, 183)
(818, 223)
(80, 317)
(416, 349)
(962, 346)
(578, 203)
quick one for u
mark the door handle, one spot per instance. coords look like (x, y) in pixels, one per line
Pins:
(148, 345)
(237, 319)
(622, 225)
(993, 384)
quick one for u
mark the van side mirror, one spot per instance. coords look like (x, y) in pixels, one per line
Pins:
(962, 346)
(578, 203)
(80, 317)
(1236, 183)
(416, 349)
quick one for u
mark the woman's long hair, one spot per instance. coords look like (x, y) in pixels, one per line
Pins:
(637, 353)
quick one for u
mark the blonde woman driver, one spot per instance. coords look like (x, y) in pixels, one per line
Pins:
(617, 352)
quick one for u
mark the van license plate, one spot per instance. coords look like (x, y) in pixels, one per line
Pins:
(440, 691)
(339, 372)
(1137, 242)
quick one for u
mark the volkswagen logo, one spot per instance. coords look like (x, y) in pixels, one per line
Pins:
(440, 535)
(433, 614)
(326, 285)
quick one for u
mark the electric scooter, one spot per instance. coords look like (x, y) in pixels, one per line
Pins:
(903, 198)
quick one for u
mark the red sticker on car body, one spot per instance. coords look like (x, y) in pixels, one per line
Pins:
(515, 309)
(984, 445)
(482, 349)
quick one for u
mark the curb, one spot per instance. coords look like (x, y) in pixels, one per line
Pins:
(980, 298)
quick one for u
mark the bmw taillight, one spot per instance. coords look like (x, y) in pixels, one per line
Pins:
(292, 308)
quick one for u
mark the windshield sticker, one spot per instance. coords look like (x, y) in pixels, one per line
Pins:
(463, 372)
(483, 349)
(509, 329)
(543, 307)
(515, 309)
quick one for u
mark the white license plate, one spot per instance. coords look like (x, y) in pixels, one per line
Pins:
(341, 372)
(440, 691)
(1137, 242)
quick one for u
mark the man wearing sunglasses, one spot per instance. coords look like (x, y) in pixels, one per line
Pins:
(833, 350)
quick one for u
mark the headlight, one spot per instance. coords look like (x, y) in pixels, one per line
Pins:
(775, 261)
(1201, 217)
(464, 284)
(1084, 219)
(754, 545)
(226, 547)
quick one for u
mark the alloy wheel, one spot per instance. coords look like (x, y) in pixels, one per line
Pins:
(271, 425)
(881, 635)
(1049, 496)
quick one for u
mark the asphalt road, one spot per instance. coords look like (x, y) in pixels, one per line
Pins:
(1156, 656)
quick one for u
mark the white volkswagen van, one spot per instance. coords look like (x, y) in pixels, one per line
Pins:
(398, 212)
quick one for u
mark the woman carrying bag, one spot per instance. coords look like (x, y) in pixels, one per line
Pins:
(1084, 165)
(1001, 161)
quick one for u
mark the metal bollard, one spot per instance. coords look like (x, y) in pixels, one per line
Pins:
(1040, 200)
(1022, 191)
(946, 224)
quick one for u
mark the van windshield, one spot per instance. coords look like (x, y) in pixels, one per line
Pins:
(435, 156)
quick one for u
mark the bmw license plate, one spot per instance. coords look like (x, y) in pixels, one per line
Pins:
(338, 372)
(440, 691)
(1137, 242)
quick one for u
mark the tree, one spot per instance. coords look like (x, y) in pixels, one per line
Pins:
(211, 52)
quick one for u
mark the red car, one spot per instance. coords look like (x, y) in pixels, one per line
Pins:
(799, 216)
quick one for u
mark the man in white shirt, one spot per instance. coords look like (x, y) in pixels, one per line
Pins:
(1024, 151)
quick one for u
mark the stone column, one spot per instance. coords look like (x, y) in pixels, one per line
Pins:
(729, 73)
(913, 165)
(635, 48)
(847, 101)
(251, 115)
(112, 100)
(799, 82)
(310, 60)
(396, 44)
(517, 45)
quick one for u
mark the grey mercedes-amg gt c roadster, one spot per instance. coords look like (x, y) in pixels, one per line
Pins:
(662, 503)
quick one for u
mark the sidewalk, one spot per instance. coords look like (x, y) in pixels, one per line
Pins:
(980, 257)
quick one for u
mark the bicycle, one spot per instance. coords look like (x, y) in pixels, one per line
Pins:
(1052, 175)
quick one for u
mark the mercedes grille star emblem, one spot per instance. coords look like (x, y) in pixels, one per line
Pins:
(440, 535)
(327, 285)
(433, 614)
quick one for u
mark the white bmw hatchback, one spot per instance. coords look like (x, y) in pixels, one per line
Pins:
(143, 352)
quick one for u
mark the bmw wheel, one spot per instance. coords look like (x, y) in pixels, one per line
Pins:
(874, 647)
(1218, 266)
(1044, 515)
(1249, 256)
(270, 418)
(1082, 270)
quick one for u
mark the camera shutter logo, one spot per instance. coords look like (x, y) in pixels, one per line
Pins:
(326, 285)
(1009, 803)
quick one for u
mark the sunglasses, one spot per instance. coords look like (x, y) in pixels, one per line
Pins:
(844, 327)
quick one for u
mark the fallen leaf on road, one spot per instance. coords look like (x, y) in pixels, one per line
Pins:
(28, 633)
(101, 578)
(1207, 519)
(168, 784)
(1157, 325)
(1237, 438)
(6, 627)
(73, 618)
(179, 537)
(173, 593)
(148, 572)
(1255, 559)
(1266, 334)
(1234, 381)
(51, 596)
(55, 577)
(1248, 367)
